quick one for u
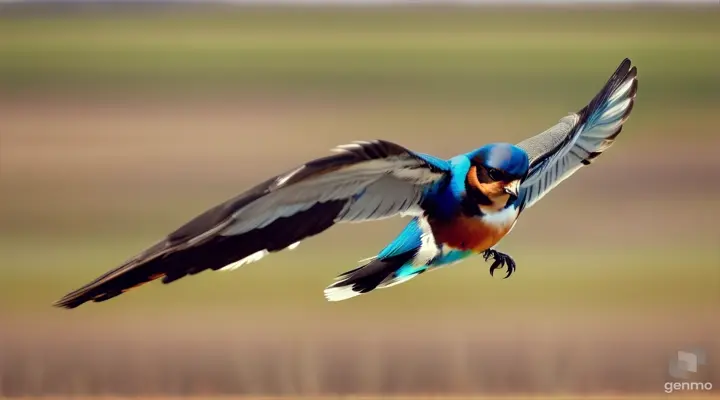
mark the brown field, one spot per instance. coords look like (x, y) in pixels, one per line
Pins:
(325, 397)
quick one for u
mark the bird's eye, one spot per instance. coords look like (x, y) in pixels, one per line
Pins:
(494, 174)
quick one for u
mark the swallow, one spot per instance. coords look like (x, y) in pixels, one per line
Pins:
(459, 207)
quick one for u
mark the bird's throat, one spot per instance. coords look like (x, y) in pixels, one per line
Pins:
(497, 204)
(478, 203)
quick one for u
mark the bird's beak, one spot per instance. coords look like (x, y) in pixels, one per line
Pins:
(512, 189)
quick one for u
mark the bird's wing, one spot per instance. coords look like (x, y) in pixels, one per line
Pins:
(363, 181)
(580, 137)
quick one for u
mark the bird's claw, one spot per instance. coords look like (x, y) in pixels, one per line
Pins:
(499, 260)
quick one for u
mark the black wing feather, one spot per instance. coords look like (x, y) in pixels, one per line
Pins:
(196, 246)
(214, 253)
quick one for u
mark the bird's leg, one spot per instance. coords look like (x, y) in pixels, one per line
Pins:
(499, 260)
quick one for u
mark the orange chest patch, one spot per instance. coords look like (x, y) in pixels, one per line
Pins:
(472, 233)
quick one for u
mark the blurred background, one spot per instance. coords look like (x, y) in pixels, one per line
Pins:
(119, 122)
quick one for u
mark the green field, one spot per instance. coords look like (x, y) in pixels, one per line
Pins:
(118, 127)
(443, 53)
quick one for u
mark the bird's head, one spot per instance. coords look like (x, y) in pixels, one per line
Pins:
(495, 174)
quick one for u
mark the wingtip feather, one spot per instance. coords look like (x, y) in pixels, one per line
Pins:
(73, 299)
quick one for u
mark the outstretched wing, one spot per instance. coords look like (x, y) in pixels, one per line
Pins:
(364, 181)
(578, 138)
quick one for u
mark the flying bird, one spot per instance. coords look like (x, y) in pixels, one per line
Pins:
(460, 207)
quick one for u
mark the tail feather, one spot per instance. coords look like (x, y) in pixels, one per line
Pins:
(398, 278)
(377, 273)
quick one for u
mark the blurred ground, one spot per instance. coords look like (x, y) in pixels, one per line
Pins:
(118, 128)
(611, 397)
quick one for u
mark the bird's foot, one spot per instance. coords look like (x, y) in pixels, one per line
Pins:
(499, 260)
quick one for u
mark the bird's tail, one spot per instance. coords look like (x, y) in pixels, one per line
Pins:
(378, 273)
(393, 265)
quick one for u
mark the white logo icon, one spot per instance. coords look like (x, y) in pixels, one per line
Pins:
(686, 363)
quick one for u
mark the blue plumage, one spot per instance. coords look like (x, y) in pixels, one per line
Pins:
(502, 156)
(407, 240)
(460, 207)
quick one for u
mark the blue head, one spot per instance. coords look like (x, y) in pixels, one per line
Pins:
(495, 174)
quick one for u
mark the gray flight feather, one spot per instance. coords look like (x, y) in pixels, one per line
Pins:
(578, 138)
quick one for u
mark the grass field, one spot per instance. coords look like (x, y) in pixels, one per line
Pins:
(443, 53)
(118, 127)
